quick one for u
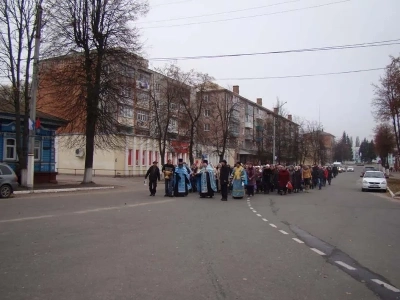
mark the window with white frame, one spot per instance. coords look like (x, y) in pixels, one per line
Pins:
(142, 116)
(10, 149)
(125, 111)
(206, 98)
(207, 113)
(206, 127)
(172, 106)
(37, 150)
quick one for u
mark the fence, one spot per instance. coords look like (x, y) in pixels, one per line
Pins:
(103, 172)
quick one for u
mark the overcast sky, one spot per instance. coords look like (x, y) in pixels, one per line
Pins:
(344, 101)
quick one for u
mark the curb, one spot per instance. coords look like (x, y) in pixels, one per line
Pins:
(391, 193)
(63, 190)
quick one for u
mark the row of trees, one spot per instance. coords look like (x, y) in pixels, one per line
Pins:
(343, 148)
(386, 111)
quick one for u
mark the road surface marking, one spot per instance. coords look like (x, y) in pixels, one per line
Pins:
(272, 225)
(87, 211)
(26, 219)
(265, 220)
(284, 232)
(345, 265)
(251, 207)
(258, 215)
(297, 240)
(254, 211)
(388, 286)
(317, 251)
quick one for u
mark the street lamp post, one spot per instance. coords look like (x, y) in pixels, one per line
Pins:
(274, 136)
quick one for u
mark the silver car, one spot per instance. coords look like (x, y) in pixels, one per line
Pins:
(8, 181)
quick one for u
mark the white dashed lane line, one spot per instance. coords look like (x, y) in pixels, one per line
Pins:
(388, 286)
(317, 251)
(348, 267)
(297, 240)
(258, 215)
(343, 264)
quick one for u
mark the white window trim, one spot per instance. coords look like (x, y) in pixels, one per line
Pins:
(206, 127)
(142, 116)
(5, 150)
(40, 150)
(207, 113)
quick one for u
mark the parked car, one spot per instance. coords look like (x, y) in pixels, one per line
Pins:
(374, 180)
(367, 169)
(8, 181)
(350, 169)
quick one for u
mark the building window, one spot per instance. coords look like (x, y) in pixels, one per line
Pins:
(125, 111)
(137, 157)
(130, 157)
(206, 127)
(207, 113)
(142, 116)
(158, 87)
(37, 150)
(150, 156)
(206, 98)
(172, 106)
(144, 158)
(10, 150)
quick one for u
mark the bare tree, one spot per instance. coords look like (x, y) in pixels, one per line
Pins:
(385, 141)
(387, 98)
(164, 102)
(17, 23)
(223, 122)
(97, 30)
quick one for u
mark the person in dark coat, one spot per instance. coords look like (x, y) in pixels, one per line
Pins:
(275, 179)
(335, 171)
(283, 179)
(330, 174)
(224, 174)
(154, 174)
(296, 179)
(321, 177)
(315, 176)
(267, 178)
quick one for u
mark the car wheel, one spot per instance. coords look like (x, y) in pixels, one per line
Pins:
(362, 190)
(5, 191)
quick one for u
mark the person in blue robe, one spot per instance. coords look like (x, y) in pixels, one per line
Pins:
(206, 184)
(181, 180)
(239, 181)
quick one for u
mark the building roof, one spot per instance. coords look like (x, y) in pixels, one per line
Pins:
(7, 108)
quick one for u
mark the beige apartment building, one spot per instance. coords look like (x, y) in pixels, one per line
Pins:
(247, 127)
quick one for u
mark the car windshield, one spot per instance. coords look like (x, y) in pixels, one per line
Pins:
(370, 174)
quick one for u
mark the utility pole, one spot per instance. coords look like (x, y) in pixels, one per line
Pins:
(32, 104)
(274, 137)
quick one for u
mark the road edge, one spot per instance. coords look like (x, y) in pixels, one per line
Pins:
(63, 190)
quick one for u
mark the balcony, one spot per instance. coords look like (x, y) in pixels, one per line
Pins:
(248, 125)
(259, 128)
(234, 134)
(248, 136)
(258, 116)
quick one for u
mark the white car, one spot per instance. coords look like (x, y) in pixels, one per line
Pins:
(350, 169)
(374, 180)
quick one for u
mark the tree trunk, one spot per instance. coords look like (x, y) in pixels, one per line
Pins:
(191, 142)
(90, 135)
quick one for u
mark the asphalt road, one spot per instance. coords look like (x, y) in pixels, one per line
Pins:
(123, 244)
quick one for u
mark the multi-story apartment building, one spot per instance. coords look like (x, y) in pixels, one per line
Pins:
(143, 118)
(140, 101)
(247, 128)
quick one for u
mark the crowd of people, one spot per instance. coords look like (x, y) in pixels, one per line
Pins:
(239, 180)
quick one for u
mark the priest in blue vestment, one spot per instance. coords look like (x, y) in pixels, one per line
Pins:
(206, 184)
(181, 180)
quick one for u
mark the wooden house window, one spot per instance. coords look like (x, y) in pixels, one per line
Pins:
(10, 151)
(37, 150)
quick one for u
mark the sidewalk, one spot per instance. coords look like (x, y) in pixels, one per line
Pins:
(102, 180)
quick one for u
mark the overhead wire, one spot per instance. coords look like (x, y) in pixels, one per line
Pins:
(303, 75)
(247, 17)
(220, 13)
(170, 3)
(324, 48)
